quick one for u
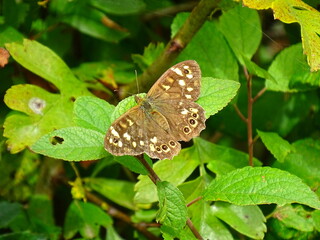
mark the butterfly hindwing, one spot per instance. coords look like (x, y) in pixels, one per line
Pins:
(136, 132)
(185, 118)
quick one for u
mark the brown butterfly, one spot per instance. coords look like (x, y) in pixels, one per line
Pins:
(166, 115)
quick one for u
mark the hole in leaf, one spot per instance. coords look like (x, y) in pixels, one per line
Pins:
(56, 140)
(72, 99)
(299, 8)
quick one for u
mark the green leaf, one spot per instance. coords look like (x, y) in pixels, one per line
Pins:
(36, 58)
(279, 147)
(87, 19)
(9, 34)
(41, 106)
(316, 219)
(40, 207)
(123, 7)
(150, 54)
(294, 217)
(108, 72)
(303, 161)
(218, 91)
(221, 159)
(254, 69)
(133, 164)
(92, 113)
(9, 211)
(261, 185)
(180, 170)
(173, 211)
(72, 144)
(86, 219)
(291, 76)
(202, 215)
(120, 192)
(242, 29)
(220, 63)
(248, 220)
(42, 109)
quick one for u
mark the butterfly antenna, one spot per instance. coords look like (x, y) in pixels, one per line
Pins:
(137, 81)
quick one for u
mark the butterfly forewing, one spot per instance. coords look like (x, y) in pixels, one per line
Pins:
(182, 81)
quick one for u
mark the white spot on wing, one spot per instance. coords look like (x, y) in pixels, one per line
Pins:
(120, 144)
(182, 83)
(166, 87)
(177, 71)
(127, 136)
(184, 111)
(154, 140)
(188, 96)
(189, 89)
(194, 110)
(189, 76)
(142, 143)
(130, 122)
(152, 147)
(134, 144)
(114, 133)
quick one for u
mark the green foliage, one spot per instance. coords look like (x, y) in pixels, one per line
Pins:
(64, 88)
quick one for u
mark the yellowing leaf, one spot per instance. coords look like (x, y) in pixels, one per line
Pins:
(290, 11)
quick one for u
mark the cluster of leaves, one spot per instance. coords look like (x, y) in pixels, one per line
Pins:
(51, 111)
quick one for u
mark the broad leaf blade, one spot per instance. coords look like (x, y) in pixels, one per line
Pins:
(219, 91)
(173, 212)
(85, 218)
(72, 144)
(261, 185)
(120, 192)
(279, 147)
(93, 113)
(248, 220)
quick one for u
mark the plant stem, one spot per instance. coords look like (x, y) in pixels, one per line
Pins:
(194, 201)
(152, 175)
(243, 118)
(193, 229)
(182, 38)
(249, 117)
(154, 178)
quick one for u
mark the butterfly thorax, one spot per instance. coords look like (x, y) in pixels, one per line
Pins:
(144, 103)
(152, 112)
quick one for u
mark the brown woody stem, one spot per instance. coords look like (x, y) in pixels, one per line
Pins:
(191, 26)
(249, 117)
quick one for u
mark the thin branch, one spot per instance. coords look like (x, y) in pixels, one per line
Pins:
(243, 118)
(182, 38)
(193, 229)
(152, 175)
(249, 117)
(114, 212)
(194, 201)
(259, 94)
